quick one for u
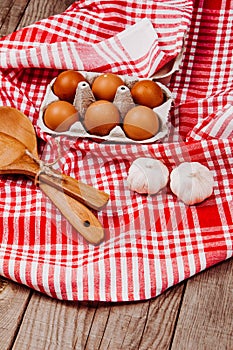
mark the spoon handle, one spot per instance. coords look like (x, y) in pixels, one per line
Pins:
(80, 191)
(86, 194)
(78, 215)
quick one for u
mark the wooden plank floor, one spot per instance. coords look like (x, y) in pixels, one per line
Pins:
(195, 315)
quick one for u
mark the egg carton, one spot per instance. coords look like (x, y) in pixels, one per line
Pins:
(123, 100)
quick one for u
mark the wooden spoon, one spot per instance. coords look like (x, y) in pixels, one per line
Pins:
(16, 124)
(12, 150)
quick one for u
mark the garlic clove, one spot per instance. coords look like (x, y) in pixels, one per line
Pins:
(147, 176)
(191, 182)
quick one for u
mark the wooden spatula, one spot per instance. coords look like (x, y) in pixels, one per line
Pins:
(12, 150)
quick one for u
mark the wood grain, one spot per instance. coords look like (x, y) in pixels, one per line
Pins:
(161, 320)
(145, 325)
(54, 325)
(78, 215)
(59, 325)
(13, 302)
(205, 321)
(118, 326)
(15, 14)
(3, 284)
(11, 11)
(196, 315)
(37, 10)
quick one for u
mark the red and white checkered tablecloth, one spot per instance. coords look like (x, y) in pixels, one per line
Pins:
(152, 242)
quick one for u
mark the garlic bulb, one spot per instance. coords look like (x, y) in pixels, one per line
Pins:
(147, 175)
(192, 182)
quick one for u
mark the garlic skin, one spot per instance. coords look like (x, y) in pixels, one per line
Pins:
(191, 182)
(147, 176)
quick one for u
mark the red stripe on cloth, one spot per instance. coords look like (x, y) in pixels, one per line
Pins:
(151, 242)
(218, 4)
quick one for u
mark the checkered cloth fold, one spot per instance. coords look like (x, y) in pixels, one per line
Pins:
(152, 242)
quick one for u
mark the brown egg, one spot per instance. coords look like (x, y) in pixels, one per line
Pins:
(141, 123)
(105, 86)
(147, 93)
(101, 117)
(66, 83)
(60, 115)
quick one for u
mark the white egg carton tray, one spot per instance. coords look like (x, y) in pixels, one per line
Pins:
(116, 134)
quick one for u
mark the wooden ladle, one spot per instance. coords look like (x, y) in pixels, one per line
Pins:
(15, 160)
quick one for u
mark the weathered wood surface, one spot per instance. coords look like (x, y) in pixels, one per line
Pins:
(205, 320)
(195, 315)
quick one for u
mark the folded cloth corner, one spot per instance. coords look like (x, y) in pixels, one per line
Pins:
(134, 50)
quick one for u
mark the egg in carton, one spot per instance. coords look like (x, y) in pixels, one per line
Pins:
(123, 101)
